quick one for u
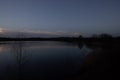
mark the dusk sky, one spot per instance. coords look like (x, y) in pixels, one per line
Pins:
(85, 17)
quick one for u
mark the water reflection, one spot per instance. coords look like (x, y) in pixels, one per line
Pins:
(49, 60)
(21, 58)
(14, 69)
(1, 49)
(101, 63)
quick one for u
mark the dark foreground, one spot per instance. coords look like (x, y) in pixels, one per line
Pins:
(100, 64)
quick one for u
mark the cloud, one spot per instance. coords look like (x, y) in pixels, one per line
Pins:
(36, 33)
(59, 33)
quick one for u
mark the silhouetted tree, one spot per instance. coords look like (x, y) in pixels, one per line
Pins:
(105, 35)
(80, 37)
(94, 36)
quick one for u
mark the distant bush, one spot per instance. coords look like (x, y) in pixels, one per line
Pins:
(104, 35)
(80, 37)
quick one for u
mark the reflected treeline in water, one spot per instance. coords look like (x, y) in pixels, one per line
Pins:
(101, 63)
(59, 60)
(49, 60)
(20, 58)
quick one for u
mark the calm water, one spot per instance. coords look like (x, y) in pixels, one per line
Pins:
(42, 60)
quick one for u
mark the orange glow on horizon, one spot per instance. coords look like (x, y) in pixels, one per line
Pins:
(1, 30)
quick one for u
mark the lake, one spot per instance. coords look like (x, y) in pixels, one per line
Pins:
(40, 59)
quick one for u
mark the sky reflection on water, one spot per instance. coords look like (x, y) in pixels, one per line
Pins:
(23, 60)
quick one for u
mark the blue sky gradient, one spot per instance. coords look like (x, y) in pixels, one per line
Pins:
(86, 17)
